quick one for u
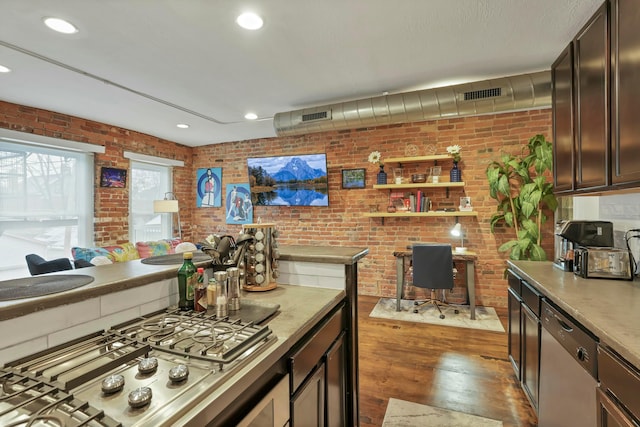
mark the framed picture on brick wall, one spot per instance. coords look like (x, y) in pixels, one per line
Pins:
(113, 178)
(209, 187)
(353, 178)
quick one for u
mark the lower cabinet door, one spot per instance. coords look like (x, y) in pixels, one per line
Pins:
(530, 368)
(610, 414)
(336, 384)
(272, 410)
(515, 331)
(308, 404)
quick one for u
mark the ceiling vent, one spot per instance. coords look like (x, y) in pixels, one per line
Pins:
(314, 117)
(515, 93)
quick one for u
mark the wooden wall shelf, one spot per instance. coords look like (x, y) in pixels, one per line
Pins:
(418, 159)
(409, 185)
(418, 214)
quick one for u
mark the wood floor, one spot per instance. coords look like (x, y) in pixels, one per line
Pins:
(460, 369)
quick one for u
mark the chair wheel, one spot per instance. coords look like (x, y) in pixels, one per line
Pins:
(456, 311)
(415, 310)
(442, 316)
(416, 303)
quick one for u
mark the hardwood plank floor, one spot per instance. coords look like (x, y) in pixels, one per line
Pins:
(460, 369)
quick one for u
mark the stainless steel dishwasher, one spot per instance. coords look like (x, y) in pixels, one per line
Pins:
(568, 372)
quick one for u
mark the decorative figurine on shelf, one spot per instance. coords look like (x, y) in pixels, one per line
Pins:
(376, 158)
(455, 175)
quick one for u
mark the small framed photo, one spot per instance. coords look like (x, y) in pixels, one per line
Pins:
(465, 204)
(353, 178)
(113, 178)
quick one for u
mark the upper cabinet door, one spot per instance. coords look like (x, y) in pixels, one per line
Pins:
(625, 129)
(592, 101)
(562, 102)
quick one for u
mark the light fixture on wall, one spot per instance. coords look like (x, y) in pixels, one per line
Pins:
(456, 231)
(169, 205)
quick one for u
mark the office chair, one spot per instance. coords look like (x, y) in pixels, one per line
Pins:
(433, 269)
(38, 265)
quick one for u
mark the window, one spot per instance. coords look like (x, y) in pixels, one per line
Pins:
(46, 201)
(148, 182)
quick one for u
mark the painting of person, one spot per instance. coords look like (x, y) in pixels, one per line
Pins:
(238, 203)
(209, 187)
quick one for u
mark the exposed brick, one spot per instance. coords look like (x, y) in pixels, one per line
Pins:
(483, 139)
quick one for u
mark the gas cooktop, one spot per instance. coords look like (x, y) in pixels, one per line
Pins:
(133, 374)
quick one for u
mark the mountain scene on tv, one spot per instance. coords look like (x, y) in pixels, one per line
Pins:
(289, 180)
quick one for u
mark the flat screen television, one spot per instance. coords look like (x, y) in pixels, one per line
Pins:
(299, 180)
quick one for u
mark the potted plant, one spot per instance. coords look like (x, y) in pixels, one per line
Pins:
(520, 185)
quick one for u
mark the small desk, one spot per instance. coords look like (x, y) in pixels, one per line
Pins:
(468, 257)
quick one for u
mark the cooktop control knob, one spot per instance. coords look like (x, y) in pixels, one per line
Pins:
(179, 373)
(112, 384)
(148, 365)
(140, 397)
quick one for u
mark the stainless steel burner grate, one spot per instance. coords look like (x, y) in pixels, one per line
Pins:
(25, 401)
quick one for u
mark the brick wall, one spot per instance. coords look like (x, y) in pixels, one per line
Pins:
(111, 204)
(482, 139)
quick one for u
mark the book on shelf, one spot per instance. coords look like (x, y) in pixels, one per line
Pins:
(419, 202)
(400, 200)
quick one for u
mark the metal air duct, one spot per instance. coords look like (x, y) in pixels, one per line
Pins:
(515, 93)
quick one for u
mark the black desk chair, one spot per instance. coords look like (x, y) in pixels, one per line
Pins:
(38, 265)
(433, 269)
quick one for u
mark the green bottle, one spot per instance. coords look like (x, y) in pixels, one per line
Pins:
(187, 282)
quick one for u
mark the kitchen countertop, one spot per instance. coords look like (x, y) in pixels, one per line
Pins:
(126, 275)
(610, 309)
(301, 308)
(325, 254)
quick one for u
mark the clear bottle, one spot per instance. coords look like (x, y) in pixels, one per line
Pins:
(211, 293)
(200, 294)
(187, 280)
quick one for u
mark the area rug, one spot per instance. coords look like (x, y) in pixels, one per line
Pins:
(401, 413)
(486, 317)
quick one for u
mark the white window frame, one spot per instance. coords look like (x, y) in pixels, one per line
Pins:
(79, 215)
(165, 167)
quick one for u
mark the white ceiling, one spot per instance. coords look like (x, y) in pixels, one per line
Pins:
(147, 65)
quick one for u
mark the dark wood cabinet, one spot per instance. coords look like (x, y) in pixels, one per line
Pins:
(530, 367)
(515, 331)
(336, 384)
(625, 91)
(610, 414)
(524, 335)
(307, 405)
(591, 79)
(563, 128)
(514, 322)
(596, 96)
(318, 375)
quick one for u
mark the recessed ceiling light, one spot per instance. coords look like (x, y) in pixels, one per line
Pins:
(249, 21)
(4, 69)
(182, 126)
(60, 25)
(251, 116)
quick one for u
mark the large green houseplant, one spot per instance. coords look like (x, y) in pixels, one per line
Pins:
(520, 185)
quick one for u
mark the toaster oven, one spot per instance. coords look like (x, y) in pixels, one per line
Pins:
(603, 263)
